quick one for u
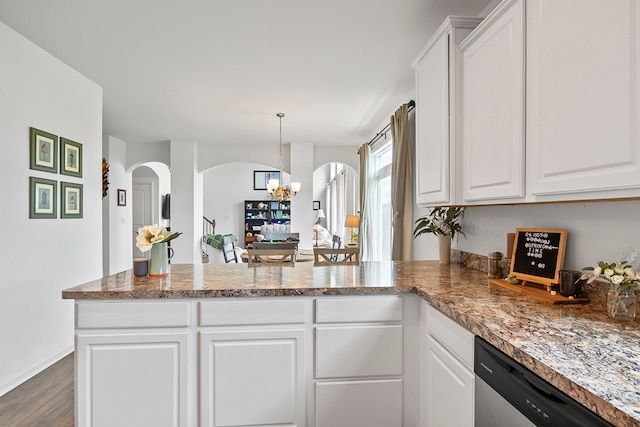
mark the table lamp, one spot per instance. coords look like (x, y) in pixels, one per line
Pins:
(353, 222)
(319, 216)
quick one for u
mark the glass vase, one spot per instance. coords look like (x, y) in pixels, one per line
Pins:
(621, 305)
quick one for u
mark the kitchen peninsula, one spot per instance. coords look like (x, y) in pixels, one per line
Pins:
(211, 343)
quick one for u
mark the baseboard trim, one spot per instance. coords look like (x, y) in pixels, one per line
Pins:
(16, 381)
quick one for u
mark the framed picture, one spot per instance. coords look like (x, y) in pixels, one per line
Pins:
(261, 178)
(70, 200)
(43, 154)
(122, 197)
(70, 158)
(316, 205)
(42, 198)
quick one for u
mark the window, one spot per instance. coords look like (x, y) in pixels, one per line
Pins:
(381, 216)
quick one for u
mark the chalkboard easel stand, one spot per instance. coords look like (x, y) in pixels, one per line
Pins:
(537, 293)
(547, 286)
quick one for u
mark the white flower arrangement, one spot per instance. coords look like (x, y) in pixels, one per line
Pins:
(151, 234)
(620, 275)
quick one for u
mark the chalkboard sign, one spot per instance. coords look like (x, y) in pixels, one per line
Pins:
(538, 255)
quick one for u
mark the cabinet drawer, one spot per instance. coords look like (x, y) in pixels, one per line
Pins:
(452, 336)
(358, 351)
(252, 312)
(369, 309)
(131, 314)
(359, 403)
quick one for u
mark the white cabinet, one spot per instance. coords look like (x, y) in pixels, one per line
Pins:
(131, 379)
(449, 379)
(359, 362)
(303, 361)
(132, 364)
(583, 89)
(493, 67)
(253, 377)
(437, 80)
(253, 368)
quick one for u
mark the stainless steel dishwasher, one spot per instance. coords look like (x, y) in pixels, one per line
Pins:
(510, 395)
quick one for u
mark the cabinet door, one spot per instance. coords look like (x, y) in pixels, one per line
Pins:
(253, 378)
(583, 114)
(132, 379)
(493, 107)
(376, 403)
(449, 389)
(432, 125)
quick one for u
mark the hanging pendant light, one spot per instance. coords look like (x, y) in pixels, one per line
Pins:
(276, 189)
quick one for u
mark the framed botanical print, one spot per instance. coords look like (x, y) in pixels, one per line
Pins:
(42, 198)
(70, 200)
(122, 197)
(43, 151)
(70, 158)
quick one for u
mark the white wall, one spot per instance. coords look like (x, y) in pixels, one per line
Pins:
(596, 230)
(41, 257)
(118, 254)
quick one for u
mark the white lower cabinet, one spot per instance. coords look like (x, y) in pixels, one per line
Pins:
(252, 377)
(286, 362)
(366, 403)
(359, 362)
(449, 384)
(450, 388)
(131, 379)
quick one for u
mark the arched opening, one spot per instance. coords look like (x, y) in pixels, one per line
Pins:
(150, 195)
(336, 186)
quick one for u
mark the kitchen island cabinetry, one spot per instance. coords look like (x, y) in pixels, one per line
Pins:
(132, 364)
(359, 362)
(252, 355)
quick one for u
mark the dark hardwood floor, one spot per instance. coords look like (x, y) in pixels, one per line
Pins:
(44, 400)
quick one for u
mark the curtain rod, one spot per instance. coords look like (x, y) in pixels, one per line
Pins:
(411, 104)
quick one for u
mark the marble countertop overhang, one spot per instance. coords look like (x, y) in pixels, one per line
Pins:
(576, 347)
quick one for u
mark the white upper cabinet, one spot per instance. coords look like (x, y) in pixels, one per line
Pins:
(583, 113)
(493, 146)
(437, 79)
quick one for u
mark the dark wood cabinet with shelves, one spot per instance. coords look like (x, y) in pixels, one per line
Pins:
(260, 212)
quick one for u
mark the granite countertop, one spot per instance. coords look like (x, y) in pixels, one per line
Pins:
(576, 347)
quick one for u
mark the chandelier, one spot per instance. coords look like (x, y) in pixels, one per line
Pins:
(277, 190)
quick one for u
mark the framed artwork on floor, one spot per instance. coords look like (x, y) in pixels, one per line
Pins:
(42, 198)
(43, 151)
(122, 197)
(70, 200)
(70, 158)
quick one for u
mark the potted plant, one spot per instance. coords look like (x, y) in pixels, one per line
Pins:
(443, 222)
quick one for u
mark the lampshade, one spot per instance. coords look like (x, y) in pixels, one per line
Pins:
(352, 221)
(295, 186)
(320, 213)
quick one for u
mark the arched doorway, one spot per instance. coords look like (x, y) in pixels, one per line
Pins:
(336, 186)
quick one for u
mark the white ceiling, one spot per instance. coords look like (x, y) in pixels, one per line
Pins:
(217, 71)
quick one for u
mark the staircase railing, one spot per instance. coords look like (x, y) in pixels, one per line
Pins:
(208, 226)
